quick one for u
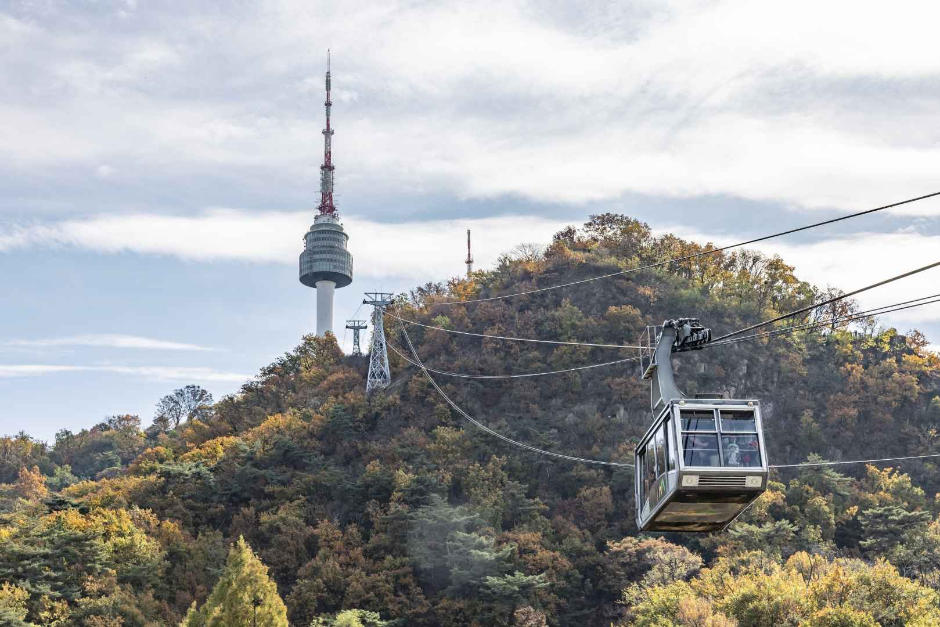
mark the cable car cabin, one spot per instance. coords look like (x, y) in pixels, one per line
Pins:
(703, 460)
(699, 465)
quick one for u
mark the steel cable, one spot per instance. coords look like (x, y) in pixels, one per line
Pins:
(584, 460)
(490, 431)
(827, 302)
(511, 376)
(838, 320)
(855, 461)
(711, 251)
(809, 325)
(510, 338)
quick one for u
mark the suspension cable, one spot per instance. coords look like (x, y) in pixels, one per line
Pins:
(817, 464)
(510, 376)
(786, 330)
(838, 320)
(720, 341)
(481, 426)
(492, 432)
(509, 338)
(809, 325)
(710, 251)
(821, 323)
(619, 464)
(827, 302)
(855, 461)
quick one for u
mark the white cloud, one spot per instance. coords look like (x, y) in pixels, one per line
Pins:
(557, 103)
(107, 340)
(35, 369)
(414, 250)
(132, 64)
(150, 373)
(432, 249)
(104, 171)
(13, 31)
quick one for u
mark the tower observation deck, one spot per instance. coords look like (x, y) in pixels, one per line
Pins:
(325, 264)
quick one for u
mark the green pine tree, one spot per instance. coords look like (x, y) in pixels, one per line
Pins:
(514, 589)
(470, 558)
(886, 527)
(245, 595)
(351, 618)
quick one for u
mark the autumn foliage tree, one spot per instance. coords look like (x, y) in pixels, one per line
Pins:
(244, 595)
(187, 403)
(391, 509)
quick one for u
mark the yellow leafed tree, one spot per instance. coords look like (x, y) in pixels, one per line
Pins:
(245, 595)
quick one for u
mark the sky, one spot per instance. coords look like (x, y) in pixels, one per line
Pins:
(159, 162)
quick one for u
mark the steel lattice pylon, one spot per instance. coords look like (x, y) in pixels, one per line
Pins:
(356, 326)
(379, 376)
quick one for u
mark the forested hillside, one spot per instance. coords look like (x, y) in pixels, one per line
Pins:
(300, 499)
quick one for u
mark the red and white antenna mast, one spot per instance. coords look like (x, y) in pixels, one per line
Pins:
(326, 170)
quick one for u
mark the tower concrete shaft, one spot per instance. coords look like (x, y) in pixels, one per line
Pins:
(325, 291)
(356, 326)
(325, 264)
(379, 375)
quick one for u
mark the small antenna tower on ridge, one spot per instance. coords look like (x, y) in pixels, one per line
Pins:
(379, 376)
(469, 259)
(356, 326)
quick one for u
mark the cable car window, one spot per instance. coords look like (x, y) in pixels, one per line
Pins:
(650, 475)
(738, 420)
(740, 450)
(700, 449)
(641, 474)
(670, 445)
(661, 450)
(698, 420)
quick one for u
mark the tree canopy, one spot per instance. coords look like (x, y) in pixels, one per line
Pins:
(244, 595)
(301, 499)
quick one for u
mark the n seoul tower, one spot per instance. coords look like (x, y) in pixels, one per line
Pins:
(325, 264)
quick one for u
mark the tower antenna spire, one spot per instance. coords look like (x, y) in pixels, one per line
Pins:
(326, 170)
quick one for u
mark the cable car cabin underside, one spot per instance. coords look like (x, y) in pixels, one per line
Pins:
(702, 462)
(699, 465)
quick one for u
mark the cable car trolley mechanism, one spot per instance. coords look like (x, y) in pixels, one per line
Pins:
(702, 461)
